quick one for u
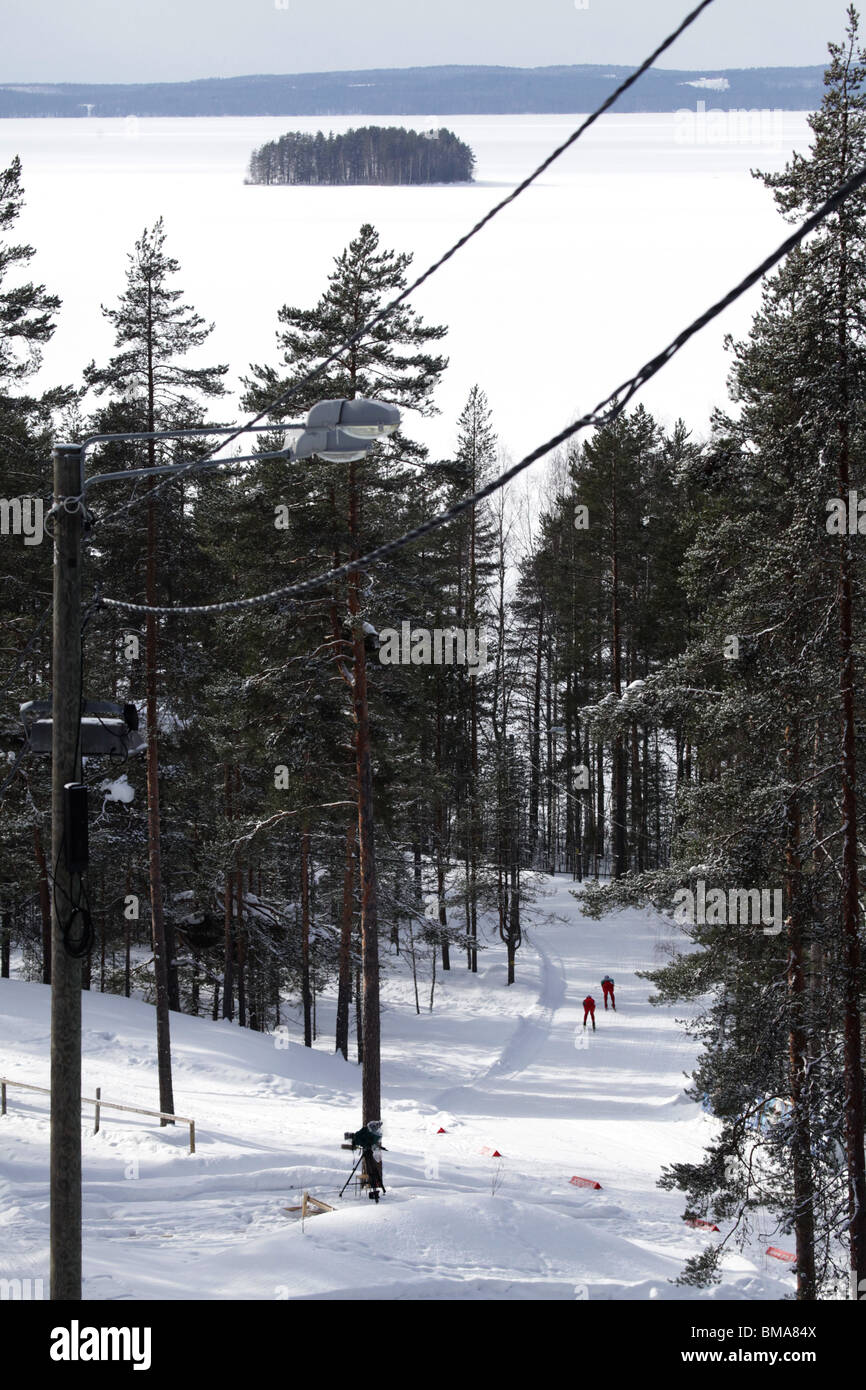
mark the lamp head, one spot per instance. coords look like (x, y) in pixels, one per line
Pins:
(359, 418)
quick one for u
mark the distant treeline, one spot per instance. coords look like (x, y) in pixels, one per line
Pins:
(372, 154)
(437, 91)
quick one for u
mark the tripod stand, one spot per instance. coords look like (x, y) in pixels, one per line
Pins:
(371, 1172)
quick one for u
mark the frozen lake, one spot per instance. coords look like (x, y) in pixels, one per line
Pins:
(592, 271)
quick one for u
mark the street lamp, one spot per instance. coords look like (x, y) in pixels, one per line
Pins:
(343, 431)
(333, 446)
(335, 430)
(360, 418)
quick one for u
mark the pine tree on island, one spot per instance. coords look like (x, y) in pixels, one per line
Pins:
(371, 155)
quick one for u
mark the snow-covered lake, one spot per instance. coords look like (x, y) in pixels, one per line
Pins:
(639, 227)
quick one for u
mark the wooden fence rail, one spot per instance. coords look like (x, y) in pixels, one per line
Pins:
(100, 1105)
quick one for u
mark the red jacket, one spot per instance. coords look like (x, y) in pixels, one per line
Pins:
(589, 1003)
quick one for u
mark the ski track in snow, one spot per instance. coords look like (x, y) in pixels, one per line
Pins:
(530, 1033)
(495, 1067)
(533, 1029)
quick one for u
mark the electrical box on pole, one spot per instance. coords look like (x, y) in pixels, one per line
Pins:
(107, 729)
(75, 845)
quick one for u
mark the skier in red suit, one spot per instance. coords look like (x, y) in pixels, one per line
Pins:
(589, 1010)
(607, 986)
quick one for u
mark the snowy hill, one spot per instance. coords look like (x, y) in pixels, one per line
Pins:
(496, 1068)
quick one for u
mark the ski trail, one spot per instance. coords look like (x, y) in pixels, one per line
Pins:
(533, 1029)
(527, 1040)
(553, 1100)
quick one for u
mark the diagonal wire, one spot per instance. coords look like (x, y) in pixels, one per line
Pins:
(606, 411)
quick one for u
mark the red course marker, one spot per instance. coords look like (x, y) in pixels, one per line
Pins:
(697, 1222)
(585, 1182)
(441, 1131)
(778, 1254)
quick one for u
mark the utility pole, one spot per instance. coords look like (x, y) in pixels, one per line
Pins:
(65, 968)
(371, 1092)
(369, 420)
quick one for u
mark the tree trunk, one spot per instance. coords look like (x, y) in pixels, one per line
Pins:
(359, 1019)
(440, 835)
(619, 789)
(850, 887)
(801, 1138)
(850, 904)
(344, 986)
(535, 745)
(228, 906)
(242, 952)
(160, 955)
(306, 997)
(5, 946)
(474, 842)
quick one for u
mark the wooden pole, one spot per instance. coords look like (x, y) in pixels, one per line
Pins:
(65, 1165)
(371, 1081)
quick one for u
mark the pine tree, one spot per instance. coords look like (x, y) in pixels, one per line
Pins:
(390, 363)
(356, 503)
(27, 322)
(752, 688)
(832, 270)
(603, 607)
(153, 388)
(475, 459)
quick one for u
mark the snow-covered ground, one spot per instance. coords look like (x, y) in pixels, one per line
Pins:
(620, 244)
(497, 1068)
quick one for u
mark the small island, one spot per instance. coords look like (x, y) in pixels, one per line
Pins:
(370, 155)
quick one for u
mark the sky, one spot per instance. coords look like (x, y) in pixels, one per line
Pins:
(175, 40)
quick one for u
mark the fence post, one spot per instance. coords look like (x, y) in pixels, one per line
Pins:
(96, 1119)
(192, 1136)
(3, 1098)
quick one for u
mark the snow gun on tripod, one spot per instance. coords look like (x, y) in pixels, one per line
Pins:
(369, 1141)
